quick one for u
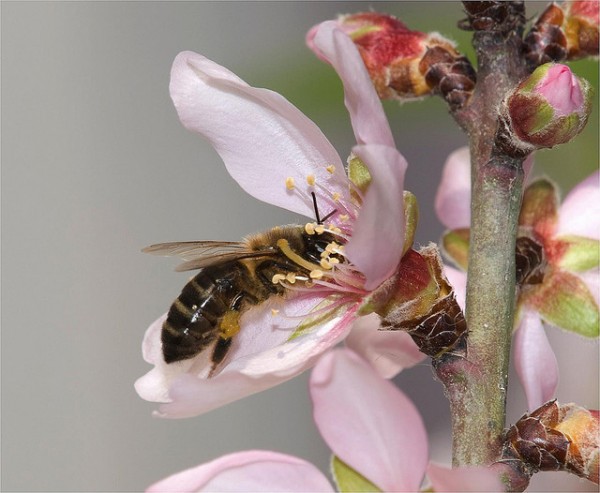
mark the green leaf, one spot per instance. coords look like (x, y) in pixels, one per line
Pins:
(577, 253)
(348, 480)
(565, 300)
(455, 245)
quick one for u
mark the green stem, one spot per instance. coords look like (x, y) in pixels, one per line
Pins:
(478, 390)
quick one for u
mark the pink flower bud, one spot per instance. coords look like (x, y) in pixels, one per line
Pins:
(405, 64)
(548, 108)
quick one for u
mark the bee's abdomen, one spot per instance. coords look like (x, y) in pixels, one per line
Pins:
(193, 321)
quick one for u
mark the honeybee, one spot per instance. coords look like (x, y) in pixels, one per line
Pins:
(235, 276)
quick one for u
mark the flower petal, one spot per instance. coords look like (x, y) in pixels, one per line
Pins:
(253, 470)
(579, 213)
(453, 198)
(535, 361)
(368, 423)
(458, 280)
(366, 111)
(262, 138)
(388, 351)
(463, 479)
(377, 239)
(263, 354)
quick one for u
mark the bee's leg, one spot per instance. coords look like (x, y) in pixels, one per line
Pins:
(219, 352)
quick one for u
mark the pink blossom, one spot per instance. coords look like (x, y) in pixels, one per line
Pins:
(266, 143)
(370, 426)
(561, 89)
(568, 297)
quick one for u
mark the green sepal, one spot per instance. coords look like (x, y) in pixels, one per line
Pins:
(455, 245)
(539, 207)
(542, 118)
(577, 253)
(411, 218)
(363, 31)
(348, 479)
(530, 83)
(565, 301)
(358, 173)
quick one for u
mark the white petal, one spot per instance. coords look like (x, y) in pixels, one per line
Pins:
(252, 470)
(535, 361)
(453, 198)
(579, 213)
(366, 111)
(262, 138)
(388, 351)
(378, 235)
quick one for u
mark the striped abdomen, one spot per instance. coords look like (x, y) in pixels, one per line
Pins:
(212, 302)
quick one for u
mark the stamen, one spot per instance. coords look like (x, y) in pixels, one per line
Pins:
(336, 196)
(330, 169)
(319, 229)
(309, 228)
(316, 274)
(277, 278)
(326, 264)
(290, 183)
(274, 312)
(310, 179)
(344, 217)
(291, 278)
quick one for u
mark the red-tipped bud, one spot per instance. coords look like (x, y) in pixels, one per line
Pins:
(581, 28)
(557, 437)
(548, 108)
(564, 32)
(405, 64)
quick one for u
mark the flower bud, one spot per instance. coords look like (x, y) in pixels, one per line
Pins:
(557, 437)
(548, 108)
(563, 32)
(581, 28)
(405, 64)
(420, 301)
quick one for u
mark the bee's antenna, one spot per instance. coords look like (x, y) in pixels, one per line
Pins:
(319, 220)
(329, 215)
(316, 208)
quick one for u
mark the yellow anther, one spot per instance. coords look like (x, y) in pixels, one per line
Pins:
(336, 196)
(291, 278)
(325, 254)
(277, 278)
(316, 274)
(333, 260)
(274, 312)
(325, 264)
(320, 229)
(330, 168)
(290, 183)
(309, 228)
(310, 179)
(331, 247)
(335, 229)
(344, 217)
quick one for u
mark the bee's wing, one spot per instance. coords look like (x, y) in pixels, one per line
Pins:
(200, 254)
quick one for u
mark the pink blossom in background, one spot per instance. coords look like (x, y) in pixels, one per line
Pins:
(534, 358)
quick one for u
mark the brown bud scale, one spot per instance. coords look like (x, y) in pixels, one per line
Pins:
(530, 261)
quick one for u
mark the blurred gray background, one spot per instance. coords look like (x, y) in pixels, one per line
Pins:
(95, 166)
